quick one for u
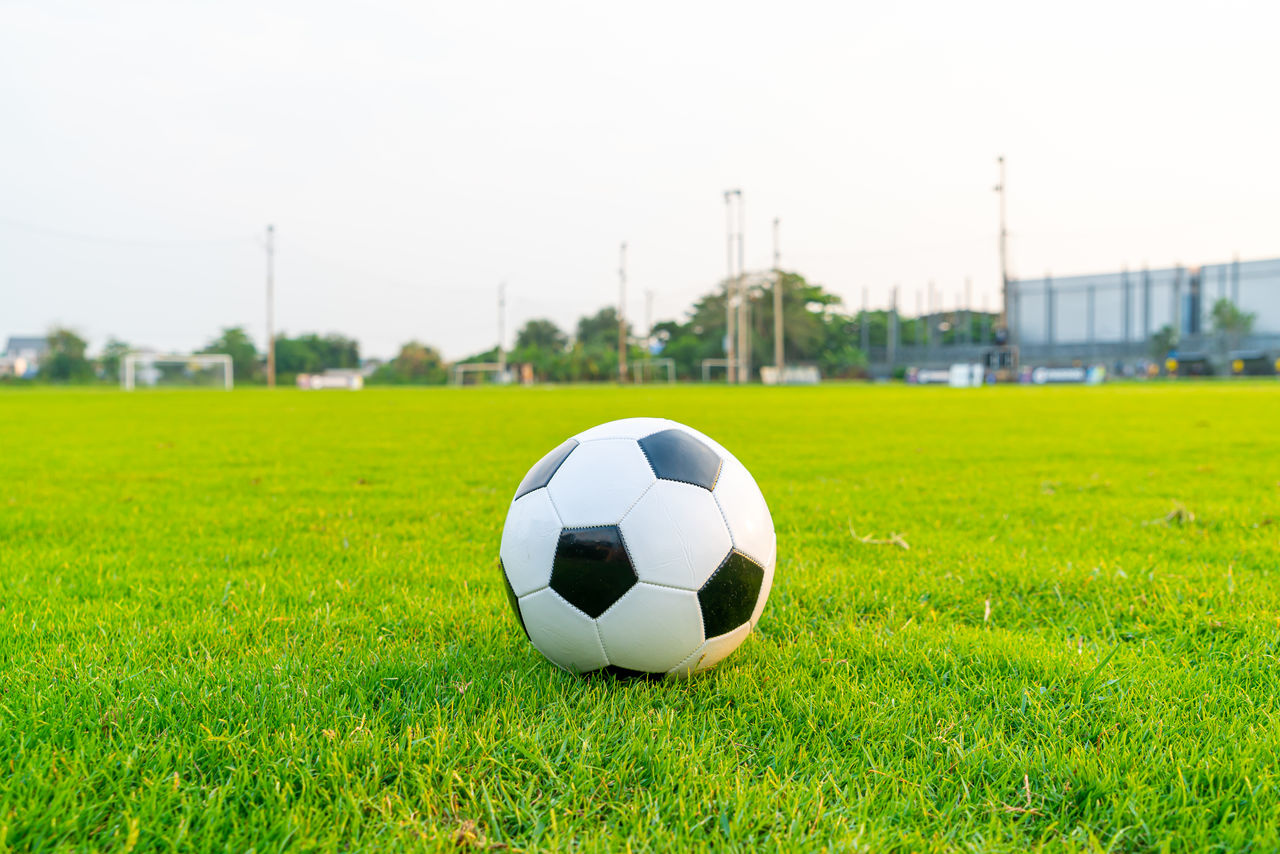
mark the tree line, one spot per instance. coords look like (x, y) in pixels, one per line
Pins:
(817, 330)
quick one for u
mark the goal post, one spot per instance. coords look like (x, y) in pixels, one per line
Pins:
(148, 369)
(650, 367)
(498, 369)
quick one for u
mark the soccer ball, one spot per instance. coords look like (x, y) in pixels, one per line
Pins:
(640, 546)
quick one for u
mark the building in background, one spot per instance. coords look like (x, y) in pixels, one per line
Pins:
(1126, 315)
(22, 356)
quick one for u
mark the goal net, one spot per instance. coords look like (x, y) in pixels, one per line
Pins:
(170, 370)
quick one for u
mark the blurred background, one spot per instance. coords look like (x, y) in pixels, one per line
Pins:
(923, 184)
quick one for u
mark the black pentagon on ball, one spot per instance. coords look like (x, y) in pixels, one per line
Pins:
(544, 469)
(675, 455)
(730, 594)
(511, 597)
(592, 569)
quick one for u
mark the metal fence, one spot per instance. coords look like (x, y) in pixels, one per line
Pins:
(1117, 314)
(1108, 317)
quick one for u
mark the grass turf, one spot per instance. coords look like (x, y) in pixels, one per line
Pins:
(275, 621)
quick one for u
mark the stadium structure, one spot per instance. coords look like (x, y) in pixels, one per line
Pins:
(1125, 320)
(1116, 316)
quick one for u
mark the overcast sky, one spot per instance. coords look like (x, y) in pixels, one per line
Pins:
(414, 155)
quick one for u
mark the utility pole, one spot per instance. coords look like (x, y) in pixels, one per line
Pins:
(777, 302)
(728, 289)
(744, 304)
(864, 331)
(271, 307)
(891, 350)
(648, 320)
(968, 310)
(502, 330)
(730, 348)
(1004, 257)
(622, 313)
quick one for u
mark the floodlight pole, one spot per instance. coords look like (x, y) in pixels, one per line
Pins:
(502, 330)
(968, 310)
(271, 287)
(622, 313)
(730, 350)
(1004, 257)
(744, 305)
(777, 302)
(648, 320)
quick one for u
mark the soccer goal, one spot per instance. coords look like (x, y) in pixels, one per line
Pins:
(646, 370)
(501, 375)
(708, 364)
(156, 370)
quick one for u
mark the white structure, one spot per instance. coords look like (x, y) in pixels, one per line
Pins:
(967, 376)
(334, 378)
(498, 369)
(145, 368)
(651, 366)
(791, 375)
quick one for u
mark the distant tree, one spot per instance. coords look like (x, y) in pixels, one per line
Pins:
(415, 364)
(601, 329)
(113, 354)
(814, 331)
(1164, 342)
(1231, 324)
(310, 353)
(66, 361)
(541, 344)
(541, 334)
(237, 344)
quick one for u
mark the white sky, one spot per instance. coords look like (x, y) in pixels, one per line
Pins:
(414, 155)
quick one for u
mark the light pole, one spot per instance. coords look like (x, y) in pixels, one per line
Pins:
(622, 313)
(730, 349)
(502, 331)
(744, 304)
(777, 302)
(1004, 257)
(271, 307)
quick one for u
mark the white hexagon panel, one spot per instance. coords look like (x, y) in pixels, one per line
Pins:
(599, 482)
(651, 629)
(625, 428)
(676, 535)
(561, 632)
(529, 542)
(712, 652)
(746, 513)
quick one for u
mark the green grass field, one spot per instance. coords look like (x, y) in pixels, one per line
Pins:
(274, 621)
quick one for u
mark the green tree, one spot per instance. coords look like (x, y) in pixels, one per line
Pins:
(1164, 342)
(237, 344)
(814, 331)
(112, 357)
(541, 334)
(415, 364)
(600, 329)
(542, 344)
(1231, 324)
(310, 353)
(66, 362)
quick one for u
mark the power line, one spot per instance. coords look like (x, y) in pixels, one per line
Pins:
(122, 241)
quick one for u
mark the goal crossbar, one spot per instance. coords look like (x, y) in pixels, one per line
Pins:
(129, 366)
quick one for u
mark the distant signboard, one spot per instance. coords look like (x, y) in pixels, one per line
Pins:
(928, 376)
(791, 375)
(1057, 376)
(344, 380)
